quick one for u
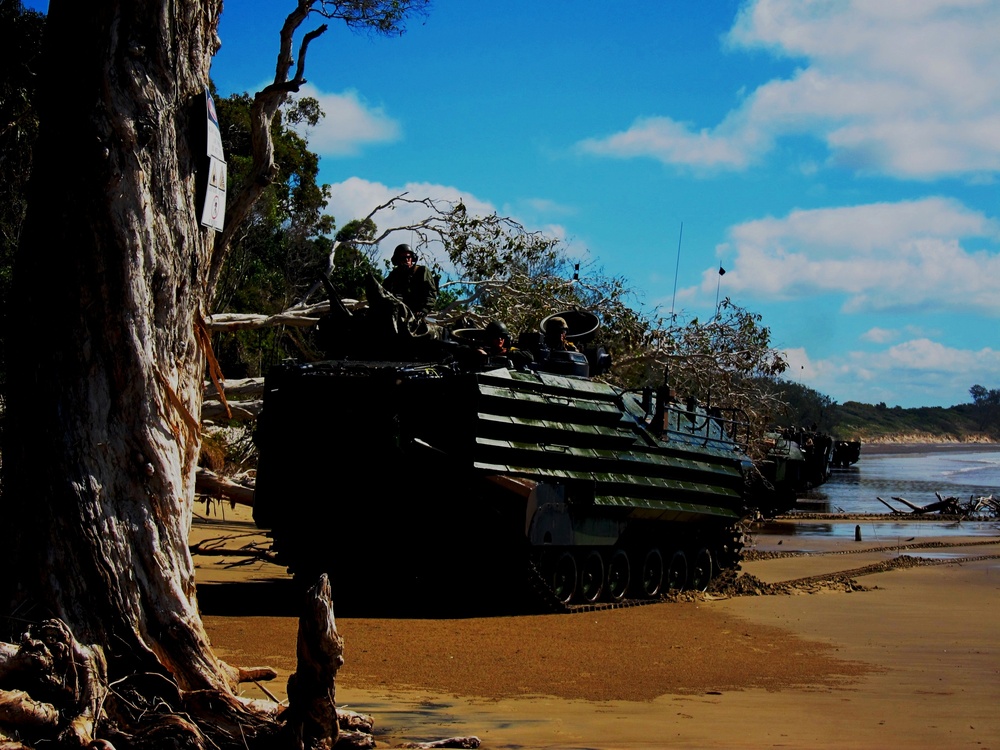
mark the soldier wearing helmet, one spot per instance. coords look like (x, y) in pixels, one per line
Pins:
(556, 329)
(496, 348)
(496, 338)
(412, 283)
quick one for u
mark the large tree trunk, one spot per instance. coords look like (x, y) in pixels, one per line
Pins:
(99, 485)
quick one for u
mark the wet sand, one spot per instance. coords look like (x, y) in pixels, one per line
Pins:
(914, 660)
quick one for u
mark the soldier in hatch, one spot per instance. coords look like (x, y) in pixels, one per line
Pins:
(497, 344)
(414, 284)
(555, 335)
(496, 340)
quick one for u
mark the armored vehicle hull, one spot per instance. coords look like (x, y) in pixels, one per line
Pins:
(423, 483)
(846, 453)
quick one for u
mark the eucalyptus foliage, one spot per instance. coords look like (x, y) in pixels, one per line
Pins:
(283, 246)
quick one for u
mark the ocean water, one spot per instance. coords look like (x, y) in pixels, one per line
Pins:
(914, 473)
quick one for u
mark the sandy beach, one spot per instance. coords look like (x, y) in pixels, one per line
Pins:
(909, 655)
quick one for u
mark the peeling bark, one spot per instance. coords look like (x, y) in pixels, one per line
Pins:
(99, 482)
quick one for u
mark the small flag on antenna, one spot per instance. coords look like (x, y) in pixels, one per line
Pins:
(722, 271)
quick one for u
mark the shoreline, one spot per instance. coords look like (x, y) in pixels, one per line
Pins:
(880, 448)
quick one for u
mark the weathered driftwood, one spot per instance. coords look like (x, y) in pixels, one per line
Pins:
(19, 709)
(352, 721)
(459, 742)
(236, 387)
(951, 506)
(7, 651)
(247, 554)
(887, 505)
(300, 317)
(218, 392)
(948, 505)
(988, 504)
(207, 482)
(224, 719)
(239, 411)
(8, 743)
(255, 674)
(311, 718)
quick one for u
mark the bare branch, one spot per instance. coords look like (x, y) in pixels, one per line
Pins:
(265, 106)
(300, 70)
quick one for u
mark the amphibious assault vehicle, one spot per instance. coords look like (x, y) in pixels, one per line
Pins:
(422, 481)
(846, 453)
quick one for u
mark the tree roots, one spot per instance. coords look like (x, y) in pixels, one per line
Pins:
(54, 693)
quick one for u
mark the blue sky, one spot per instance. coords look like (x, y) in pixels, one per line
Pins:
(840, 159)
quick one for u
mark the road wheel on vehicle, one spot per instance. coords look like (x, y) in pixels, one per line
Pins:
(592, 577)
(652, 573)
(619, 575)
(677, 573)
(564, 578)
(701, 571)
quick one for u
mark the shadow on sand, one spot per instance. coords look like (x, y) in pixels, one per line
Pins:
(283, 598)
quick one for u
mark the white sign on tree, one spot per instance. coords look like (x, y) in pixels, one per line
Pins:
(213, 211)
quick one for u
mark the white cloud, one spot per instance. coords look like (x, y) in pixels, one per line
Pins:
(549, 206)
(673, 142)
(907, 88)
(883, 257)
(918, 372)
(878, 335)
(349, 124)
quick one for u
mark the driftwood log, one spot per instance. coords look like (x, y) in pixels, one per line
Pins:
(455, 742)
(242, 387)
(239, 400)
(207, 482)
(302, 317)
(231, 411)
(950, 506)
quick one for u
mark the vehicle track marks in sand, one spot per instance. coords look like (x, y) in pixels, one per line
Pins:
(749, 585)
(753, 555)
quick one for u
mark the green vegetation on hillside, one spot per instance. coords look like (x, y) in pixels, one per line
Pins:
(869, 422)
(852, 420)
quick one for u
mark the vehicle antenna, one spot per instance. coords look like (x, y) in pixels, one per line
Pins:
(676, 270)
(722, 272)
